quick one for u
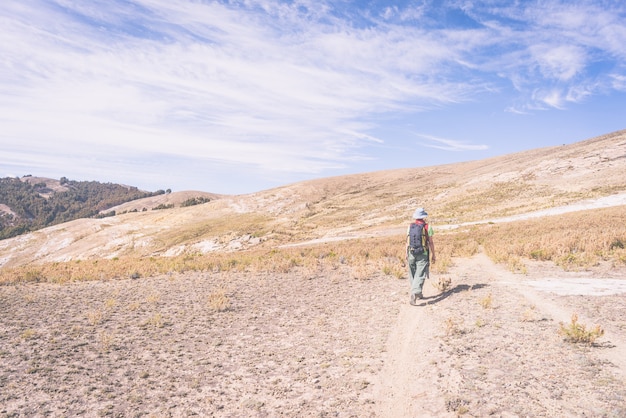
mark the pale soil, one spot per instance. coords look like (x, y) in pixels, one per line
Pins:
(310, 345)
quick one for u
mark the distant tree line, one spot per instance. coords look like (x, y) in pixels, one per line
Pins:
(195, 201)
(83, 199)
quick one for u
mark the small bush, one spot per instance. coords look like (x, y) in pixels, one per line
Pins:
(94, 317)
(219, 301)
(578, 333)
(28, 334)
(487, 302)
(195, 201)
(617, 243)
(156, 321)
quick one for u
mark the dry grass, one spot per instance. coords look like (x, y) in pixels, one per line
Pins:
(453, 326)
(487, 301)
(530, 314)
(573, 241)
(94, 317)
(28, 334)
(366, 257)
(218, 300)
(156, 320)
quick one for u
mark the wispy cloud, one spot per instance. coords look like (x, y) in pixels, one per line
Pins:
(450, 144)
(281, 86)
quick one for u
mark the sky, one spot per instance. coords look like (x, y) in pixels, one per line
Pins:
(240, 96)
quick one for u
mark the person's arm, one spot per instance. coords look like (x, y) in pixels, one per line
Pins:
(431, 247)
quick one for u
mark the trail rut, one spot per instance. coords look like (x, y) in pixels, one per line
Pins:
(490, 346)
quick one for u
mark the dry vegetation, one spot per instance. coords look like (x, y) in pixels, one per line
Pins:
(578, 333)
(363, 205)
(579, 240)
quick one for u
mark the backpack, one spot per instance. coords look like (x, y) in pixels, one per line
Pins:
(417, 238)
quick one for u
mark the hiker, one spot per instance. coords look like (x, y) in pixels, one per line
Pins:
(420, 252)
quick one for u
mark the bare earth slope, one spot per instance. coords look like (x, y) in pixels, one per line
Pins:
(309, 345)
(357, 205)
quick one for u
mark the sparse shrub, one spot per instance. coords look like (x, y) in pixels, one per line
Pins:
(577, 333)
(32, 275)
(575, 261)
(30, 297)
(516, 265)
(452, 326)
(561, 240)
(163, 206)
(156, 320)
(195, 201)
(459, 406)
(487, 301)
(109, 303)
(530, 314)
(153, 298)
(361, 272)
(106, 340)
(28, 334)
(393, 269)
(540, 254)
(94, 317)
(218, 300)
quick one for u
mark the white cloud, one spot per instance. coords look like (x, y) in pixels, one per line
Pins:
(450, 144)
(281, 86)
(552, 97)
(246, 82)
(560, 62)
(618, 82)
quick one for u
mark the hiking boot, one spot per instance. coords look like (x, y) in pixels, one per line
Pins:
(412, 301)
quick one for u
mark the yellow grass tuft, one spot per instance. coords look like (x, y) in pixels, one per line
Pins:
(218, 300)
(487, 302)
(94, 317)
(28, 334)
(156, 320)
(530, 314)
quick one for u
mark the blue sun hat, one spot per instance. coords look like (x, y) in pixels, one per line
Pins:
(419, 213)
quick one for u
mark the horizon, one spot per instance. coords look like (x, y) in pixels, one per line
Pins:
(240, 97)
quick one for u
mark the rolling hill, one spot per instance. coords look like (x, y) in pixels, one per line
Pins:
(339, 207)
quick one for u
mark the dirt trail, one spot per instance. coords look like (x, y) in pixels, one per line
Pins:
(403, 389)
(490, 346)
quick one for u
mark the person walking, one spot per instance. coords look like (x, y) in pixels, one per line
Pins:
(420, 250)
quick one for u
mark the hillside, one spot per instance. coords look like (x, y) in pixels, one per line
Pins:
(329, 208)
(31, 203)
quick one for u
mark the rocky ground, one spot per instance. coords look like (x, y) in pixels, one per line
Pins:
(311, 344)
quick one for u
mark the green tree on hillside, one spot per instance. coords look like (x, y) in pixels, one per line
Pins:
(32, 210)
